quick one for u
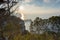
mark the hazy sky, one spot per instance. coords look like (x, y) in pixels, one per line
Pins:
(40, 8)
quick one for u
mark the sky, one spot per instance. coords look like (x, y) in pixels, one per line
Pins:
(40, 8)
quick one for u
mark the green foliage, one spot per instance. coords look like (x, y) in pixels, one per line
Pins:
(12, 29)
(44, 36)
(47, 35)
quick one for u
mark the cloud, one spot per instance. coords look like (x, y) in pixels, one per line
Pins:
(42, 6)
(32, 9)
(46, 1)
(51, 1)
(27, 0)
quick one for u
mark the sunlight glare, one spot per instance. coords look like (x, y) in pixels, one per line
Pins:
(21, 8)
(22, 17)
